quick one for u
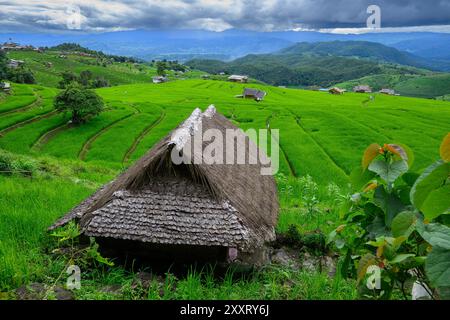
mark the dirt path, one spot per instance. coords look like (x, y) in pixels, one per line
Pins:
(23, 123)
(87, 145)
(138, 140)
(36, 103)
(45, 138)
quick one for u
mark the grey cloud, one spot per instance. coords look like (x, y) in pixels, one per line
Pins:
(29, 15)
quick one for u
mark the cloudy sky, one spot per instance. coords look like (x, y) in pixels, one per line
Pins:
(55, 16)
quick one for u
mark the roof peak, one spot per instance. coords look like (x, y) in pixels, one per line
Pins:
(190, 126)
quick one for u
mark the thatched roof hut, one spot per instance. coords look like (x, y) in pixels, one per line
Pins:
(238, 78)
(229, 206)
(336, 90)
(255, 94)
(362, 89)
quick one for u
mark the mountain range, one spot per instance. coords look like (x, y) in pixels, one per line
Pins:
(231, 44)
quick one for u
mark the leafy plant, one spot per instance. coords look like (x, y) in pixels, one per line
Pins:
(394, 228)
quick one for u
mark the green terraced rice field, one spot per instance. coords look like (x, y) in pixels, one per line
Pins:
(320, 134)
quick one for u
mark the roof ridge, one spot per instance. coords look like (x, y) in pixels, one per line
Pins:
(190, 126)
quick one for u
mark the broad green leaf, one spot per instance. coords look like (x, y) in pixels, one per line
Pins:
(401, 257)
(359, 178)
(389, 172)
(445, 148)
(437, 203)
(370, 153)
(436, 234)
(389, 203)
(403, 224)
(366, 261)
(432, 178)
(437, 267)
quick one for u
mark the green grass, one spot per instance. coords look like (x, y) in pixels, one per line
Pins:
(116, 73)
(22, 96)
(425, 87)
(44, 105)
(321, 135)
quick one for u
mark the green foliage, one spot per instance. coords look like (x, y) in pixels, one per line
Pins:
(20, 75)
(80, 102)
(396, 226)
(11, 164)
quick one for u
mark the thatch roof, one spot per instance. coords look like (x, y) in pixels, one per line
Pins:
(156, 201)
(254, 93)
(362, 88)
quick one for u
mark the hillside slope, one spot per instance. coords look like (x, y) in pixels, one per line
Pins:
(321, 134)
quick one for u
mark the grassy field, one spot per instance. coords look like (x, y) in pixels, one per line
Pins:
(116, 73)
(422, 86)
(321, 136)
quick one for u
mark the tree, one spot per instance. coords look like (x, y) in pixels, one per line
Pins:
(81, 102)
(160, 68)
(3, 61)
(67, 78)
(20, 75)
(85, 77)
(100, 82)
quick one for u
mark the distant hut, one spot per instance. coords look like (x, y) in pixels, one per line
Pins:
(14, 64)
(48, 64)
(389, 92)
(238, 78)
(362, 89)
(226, 212)
(336, 90)
(159, 79)
(5, 87)
(257, 95)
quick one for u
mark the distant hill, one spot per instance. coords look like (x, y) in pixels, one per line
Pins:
(231, 44)
(366, 50)
(318, 64)
(47, 66)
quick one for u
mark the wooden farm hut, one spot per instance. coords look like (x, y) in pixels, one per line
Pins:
(5, 87)
(225, 212)
(389, 92)
(255, 94)
(238, 78)
(159, 79)
(336, 90)
(362, 89)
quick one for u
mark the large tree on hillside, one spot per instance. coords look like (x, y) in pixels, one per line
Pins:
(3, 62)
(82, 103)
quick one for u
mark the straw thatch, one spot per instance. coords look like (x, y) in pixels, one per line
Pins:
(256, 94)
(157, 201)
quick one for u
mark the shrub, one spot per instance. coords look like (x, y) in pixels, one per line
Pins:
(396, 228)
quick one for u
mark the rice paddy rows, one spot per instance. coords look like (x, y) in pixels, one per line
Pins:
(320, 134)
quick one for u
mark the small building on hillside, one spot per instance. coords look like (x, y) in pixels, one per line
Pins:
(389, 92)
(14, 46)
(249, 93)
(362, 89)
(187, 209)
(14, 64)
(48, 64)
(205, 76)
(336, 90)
(238, 78)
(159, 79)
(5, 87)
